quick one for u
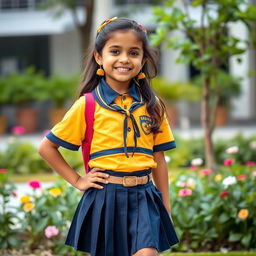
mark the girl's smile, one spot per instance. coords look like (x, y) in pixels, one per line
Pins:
(122, 59)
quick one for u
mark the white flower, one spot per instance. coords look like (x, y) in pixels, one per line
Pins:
(179, 183)
(11, 140)
(167, 159)
(197, 162)
(191, 180)
(253, 144)
(232, 150)
(230, 180)
(224, 250)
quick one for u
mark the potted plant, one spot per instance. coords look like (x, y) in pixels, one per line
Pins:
(172, 92)
(3, 101)
(59, 89)
(226, 87)
(21, 90)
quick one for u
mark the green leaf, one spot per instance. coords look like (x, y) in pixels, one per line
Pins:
(246, 240)
(205, 206)
(223, 217)
(234, 237)
(13, 241)
(41, 224)
(196, 3)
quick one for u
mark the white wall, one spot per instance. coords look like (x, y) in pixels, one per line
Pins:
(65, 53)
(242, 105)
(102, 11)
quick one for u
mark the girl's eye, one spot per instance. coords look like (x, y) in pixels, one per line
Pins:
(134, 53)
(114, 52)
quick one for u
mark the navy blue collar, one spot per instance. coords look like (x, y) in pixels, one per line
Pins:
(110, 95)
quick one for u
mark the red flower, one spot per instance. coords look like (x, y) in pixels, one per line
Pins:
(224, 193)
(250, 163)
(3, 170)
(205, 172)
(193, 168)
(228, 162)
(241, 177)
(18, 130)
(34, 184)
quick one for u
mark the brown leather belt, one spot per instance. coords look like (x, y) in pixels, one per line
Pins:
(130, 181)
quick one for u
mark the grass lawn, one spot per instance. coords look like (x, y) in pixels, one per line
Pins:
(43, 177)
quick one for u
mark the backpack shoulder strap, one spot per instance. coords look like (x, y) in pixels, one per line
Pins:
(89, 117)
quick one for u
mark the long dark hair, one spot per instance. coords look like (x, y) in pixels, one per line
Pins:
(90, 80)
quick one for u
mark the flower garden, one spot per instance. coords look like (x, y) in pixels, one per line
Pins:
(211, 211)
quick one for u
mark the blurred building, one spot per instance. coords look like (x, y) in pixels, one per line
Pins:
(32, 36)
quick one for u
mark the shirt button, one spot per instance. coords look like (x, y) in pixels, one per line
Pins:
(123, 97)
(129, 129)
(125, 107)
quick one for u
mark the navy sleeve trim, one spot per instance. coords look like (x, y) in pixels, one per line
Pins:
(61, 142)
(164, 146)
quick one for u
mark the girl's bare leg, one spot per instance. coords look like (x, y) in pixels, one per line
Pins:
(150, 251)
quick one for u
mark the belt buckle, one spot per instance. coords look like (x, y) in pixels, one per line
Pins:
(128, 181)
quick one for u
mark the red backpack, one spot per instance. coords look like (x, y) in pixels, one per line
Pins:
(89, 117)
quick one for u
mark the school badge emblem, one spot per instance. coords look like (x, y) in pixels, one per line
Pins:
(145, 124)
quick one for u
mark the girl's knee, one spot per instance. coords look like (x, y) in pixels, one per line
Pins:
(149, 251)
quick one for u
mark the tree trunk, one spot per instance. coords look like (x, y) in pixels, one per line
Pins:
(85, 29)
(208, 129)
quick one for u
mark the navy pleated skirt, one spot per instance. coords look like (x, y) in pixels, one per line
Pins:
(118, 220)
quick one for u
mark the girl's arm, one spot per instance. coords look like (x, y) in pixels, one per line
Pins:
(160, 176)
(50, 153)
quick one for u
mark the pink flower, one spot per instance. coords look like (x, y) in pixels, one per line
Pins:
(241, 177)
(228, 162)
(250, 163)
(14, 193)
(224, 193)
(34, 184)
(51, 231)
(46, 132)
(18, 130)
(185, 192)
(205, 172)
(254, 173)
(3, 170)
(184, 184)
(193, 168)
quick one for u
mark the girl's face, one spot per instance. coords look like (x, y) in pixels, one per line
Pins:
(121, 58)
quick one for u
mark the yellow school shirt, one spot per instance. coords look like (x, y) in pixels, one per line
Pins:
(120, 121)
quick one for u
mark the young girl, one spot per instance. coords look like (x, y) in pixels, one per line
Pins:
(122, 212)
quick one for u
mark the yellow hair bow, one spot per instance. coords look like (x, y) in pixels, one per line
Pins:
(105, 23)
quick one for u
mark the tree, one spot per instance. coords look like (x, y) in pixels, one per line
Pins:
(207, 44)
(84, 28)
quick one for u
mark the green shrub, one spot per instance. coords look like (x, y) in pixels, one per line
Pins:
(207, 215)
(188, 149)
(44, 208)
(22, 158)
(8, 217)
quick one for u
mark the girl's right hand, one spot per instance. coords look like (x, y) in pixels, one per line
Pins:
(88, 181)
